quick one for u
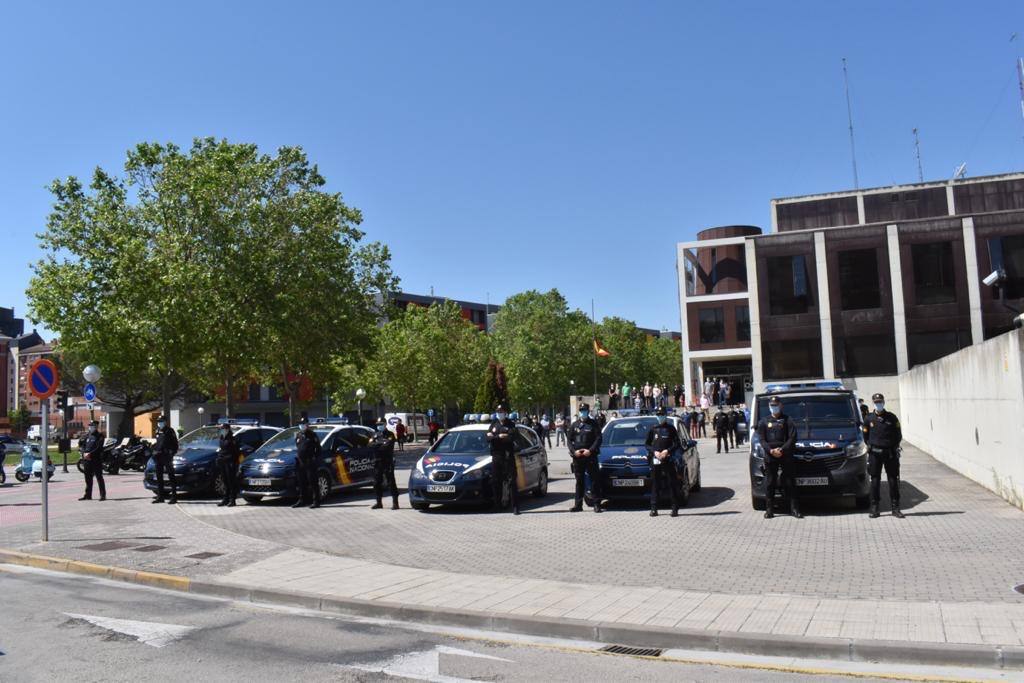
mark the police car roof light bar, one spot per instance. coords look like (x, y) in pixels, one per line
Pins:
(331, 421)
(832, 384)
(239, 421)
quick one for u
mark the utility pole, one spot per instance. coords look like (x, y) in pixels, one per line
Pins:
(917, 151)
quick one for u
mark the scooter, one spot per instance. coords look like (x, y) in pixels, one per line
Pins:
(3, 457)
(32, 465)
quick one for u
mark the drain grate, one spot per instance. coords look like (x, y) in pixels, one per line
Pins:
(632, 651)
(1019, 588)
(204, 556)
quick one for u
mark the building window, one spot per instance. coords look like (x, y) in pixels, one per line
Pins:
(714, 268)
(742, 323)
(712, 325)
(859, 287)
(789, 288)
(1008, 253)
(865, 356)
(924, 347)
(792, 359)
(934, 281)
(254, 392)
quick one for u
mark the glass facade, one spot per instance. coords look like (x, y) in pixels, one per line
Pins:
(1008, 253)
(712, 325)
(743, 323)
(789, 285)
(791, 359)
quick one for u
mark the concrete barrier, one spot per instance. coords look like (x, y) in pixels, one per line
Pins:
(967, 411)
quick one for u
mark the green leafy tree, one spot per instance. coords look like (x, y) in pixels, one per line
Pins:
(20, 419)
(626, 344)
(493, 389)
(663, 361)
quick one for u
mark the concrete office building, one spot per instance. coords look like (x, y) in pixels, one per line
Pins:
(859, 285)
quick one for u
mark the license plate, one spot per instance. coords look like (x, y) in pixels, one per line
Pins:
(441, 488)
(812, 481)
(627, 482)
(259, 482)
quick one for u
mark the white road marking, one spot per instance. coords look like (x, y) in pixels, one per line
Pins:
(148, 632)
(423, 665)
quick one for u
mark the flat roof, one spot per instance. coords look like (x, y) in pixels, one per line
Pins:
(908, 186)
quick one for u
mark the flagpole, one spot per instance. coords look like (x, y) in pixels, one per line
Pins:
(593, 332)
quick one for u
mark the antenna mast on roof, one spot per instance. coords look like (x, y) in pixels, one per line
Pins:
(1020, 82)
(849, 116)
(917, 151)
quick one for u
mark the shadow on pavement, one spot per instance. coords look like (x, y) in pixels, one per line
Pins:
(910, 497)
(710, 496)
(937, 513)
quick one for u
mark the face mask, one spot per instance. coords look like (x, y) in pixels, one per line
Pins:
(225, 432)
(662, 419)
(776, 410)
(879, 407)
(92, 430)
(161, 425)
(381, 428)
(502, 416)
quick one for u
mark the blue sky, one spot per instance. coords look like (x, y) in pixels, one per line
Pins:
(501, 146)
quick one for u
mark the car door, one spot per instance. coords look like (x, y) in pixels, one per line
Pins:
(527, 451)
(248, 441)
(353, 456)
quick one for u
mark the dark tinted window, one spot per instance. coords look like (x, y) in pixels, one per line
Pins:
(523, 441)
(473, 442)
(934, 281)
(250, 437)
(712, 325)
(1008, 253)
(925, 347)
(817, 213)
(627, 432)
(865, 355)
(793, 359)
(858, 280)
(999, 195)
(820, 409)
(789, 285)
(742, 323)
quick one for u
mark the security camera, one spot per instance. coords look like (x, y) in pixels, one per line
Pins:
(993, 278)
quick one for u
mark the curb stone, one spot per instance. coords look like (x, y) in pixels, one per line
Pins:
(842, 649)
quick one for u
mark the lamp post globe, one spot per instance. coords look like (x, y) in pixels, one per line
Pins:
(200, 410)
(360, 395)
(91, 373)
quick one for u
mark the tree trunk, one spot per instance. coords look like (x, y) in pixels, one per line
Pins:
(165, 399)
(229, 398)
(126, 426)
(291, 389)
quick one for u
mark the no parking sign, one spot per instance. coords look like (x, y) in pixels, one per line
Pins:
(43, 379)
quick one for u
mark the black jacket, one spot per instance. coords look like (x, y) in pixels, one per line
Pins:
(883, 430)
(228, 450)
(498, 444)
(384, 444)
(662, 437)
(166, 443)
(777, 432)
(584, 434)
(92, 445)
(307, 445)
(720, 422)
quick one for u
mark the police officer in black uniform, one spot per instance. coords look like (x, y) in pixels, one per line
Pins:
(584, 439)
(720, 423)
(883, 434)
(501, 436)
(778, 436)
(92, 454)
(307, 451)
(163, 453)
(228, 453)
(735, 418)
(384, 465)
(662, 441)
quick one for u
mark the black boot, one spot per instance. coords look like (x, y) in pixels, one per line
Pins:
(675, 511)
(173, 500)
(578, 507)
(222, 503)
(394, 503)
(515, 509)
(85, 498)
(654, 512)
(231, 503)
(298, 503)
(794, 509)
(873, 510)
(769, 513)
(377, 506)
(314, 505)
(597, 506)
(896, 512)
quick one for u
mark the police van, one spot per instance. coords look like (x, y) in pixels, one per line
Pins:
(830, 455)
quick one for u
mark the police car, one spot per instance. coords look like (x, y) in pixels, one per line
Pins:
(830, 456)
(622, 461)
(457, 469)
(346, 461)
(195, 464)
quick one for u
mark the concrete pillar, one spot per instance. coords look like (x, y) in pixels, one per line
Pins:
(755, 313)
(860, 209)
(899, 311)
(685, 346)
(950, 201)
(973, 281)
(828, 361)
(775, 220)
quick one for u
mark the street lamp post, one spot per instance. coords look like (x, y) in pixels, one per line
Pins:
(360, 395)
(201, 410)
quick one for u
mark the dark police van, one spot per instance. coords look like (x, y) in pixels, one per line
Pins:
(195, 465)
(830, 455)
(346, 461)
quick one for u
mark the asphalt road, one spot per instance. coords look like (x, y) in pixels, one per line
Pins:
(60, 627)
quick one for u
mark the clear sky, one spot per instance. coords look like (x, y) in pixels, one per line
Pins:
(501, 146)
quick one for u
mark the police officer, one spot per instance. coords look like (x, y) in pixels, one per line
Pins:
(228, 453)
(92, 454)
(501, 436)
(307, 450)
(778, 436)
(163, 453)
(883, 434)
(384, 465)
(735, 418)
(662, 441)
(584, 445)
(720, 423)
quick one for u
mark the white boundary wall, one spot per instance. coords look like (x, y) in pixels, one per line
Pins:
(967, 411)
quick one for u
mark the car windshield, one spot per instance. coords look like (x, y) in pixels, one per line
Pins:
(473, 442)
(814, 409)
(204, 437)
(285, 440)
(627, 432)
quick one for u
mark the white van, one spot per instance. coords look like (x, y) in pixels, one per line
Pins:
(419, 420)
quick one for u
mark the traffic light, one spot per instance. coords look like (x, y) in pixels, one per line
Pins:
(62, 400)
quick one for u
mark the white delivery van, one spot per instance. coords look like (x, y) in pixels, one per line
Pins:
(410, 420)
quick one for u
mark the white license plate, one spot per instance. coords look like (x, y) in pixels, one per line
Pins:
(441, 488)
(812, 481)
(627, 482)
(258, 482)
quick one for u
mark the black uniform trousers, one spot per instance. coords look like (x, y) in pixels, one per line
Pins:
(384, 472)
(580, 468)
(94, 468)
(889, 460)
(774, 469)
(664, 475)
(737, 438)
(503, 468)
(305, 476)
(229, 474)
(722, 435)
(165, 464)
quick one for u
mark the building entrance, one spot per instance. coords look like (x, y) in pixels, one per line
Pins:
(737, 373)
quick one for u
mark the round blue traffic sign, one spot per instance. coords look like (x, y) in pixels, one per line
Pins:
(89, 393)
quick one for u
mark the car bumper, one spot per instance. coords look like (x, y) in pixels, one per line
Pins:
(187, 482)
(850, 479)
(465, 493)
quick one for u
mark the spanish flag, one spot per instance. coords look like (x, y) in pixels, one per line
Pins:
(600, 350)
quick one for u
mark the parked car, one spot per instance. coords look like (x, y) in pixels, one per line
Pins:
(346, 462)
(622, 462)
(457, 469)
(830, 457)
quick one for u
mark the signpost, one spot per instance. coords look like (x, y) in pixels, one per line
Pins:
(89, 393)
(43, 381)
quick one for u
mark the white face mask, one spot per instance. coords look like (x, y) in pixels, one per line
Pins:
(92, 429)
(225, 432)
(879, 407)
(502, 416)
(776, 410)
(161, 425)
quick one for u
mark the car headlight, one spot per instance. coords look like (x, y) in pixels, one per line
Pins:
(473, 475)
(857, 449)
(418, 473)
(178, 460)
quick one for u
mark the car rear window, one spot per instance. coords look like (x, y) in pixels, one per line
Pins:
(627, 432)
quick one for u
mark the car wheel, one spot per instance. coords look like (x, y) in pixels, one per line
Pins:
(252, 500)
(759, 504)
(684, 492)
(542, 484)
(21, 476)
(323, 484)
(863, 502)
(420, 506)
(218, 486)
(81, 466)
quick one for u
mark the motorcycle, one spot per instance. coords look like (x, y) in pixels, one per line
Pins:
(110, 458)
(135, 454)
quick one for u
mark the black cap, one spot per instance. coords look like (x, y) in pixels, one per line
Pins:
(161, 417)
(584, 406)
(380, 421)
(502, 408)
(94, 423)
(303, 421)
(774, 401)
(661, 411)
(877, 397)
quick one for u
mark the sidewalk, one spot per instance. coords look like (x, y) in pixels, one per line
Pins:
(150, 540)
